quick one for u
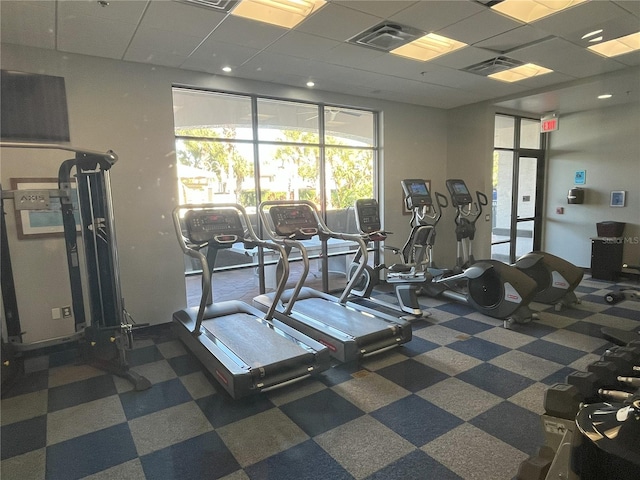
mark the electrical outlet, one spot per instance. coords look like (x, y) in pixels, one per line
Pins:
(66, 312)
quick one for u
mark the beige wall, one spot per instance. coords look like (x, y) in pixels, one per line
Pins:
(605, 143)
(127, 107)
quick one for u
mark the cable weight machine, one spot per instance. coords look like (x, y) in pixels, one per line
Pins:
(110, 331)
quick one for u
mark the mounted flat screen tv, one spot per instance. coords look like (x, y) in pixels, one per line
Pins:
(33, 108)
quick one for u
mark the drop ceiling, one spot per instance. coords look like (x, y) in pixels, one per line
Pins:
(177, 34)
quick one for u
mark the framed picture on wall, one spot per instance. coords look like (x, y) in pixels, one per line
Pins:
(618, 198)
(41, 223)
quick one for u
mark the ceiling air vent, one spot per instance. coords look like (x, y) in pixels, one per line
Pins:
(386, 36)
(495, 65)
(220, 5)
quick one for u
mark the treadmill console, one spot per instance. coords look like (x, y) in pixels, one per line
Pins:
(368, 215)
(460, 196)
(218, 226)
(416, 193)
(294, 221)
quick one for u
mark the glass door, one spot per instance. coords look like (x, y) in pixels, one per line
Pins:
(518, 178)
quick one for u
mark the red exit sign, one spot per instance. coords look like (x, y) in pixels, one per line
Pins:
(549, 124)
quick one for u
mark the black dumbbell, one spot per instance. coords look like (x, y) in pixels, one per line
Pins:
(624, 360)
(606, 371)
(562, 400)
(587, 384)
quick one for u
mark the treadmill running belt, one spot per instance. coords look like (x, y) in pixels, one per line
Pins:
(351, 322)
(255, 343)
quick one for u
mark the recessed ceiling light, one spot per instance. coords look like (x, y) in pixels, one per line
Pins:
(591, 34)
(520, 73)
(605, 96)
(595, 39)
(618, 46)
(283, 13)
(226, 69)
(531, 10)
(310, 84)
(428, 47)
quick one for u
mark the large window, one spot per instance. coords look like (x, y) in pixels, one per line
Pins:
(246, 149)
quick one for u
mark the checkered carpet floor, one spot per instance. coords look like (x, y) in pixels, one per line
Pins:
(462, 400)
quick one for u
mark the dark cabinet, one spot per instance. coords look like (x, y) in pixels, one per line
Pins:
(606, 257)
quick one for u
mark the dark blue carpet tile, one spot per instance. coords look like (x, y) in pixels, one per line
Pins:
(306, 461)
(558, 377)
(75, 393)
(495, 380)
(552, 351)
(418, 346)
(158, 397)
(339, 374)
(585, 289)
(456, 308)
(574, 313)
(624, 313)
(63, 357)
(22, 437)
(499, 421)
(416, 419)
(91, 453)
(140, 356)
(533, 329)
(205, 456)
(185, 364)
(221, 409)
(478, 348)
(415, 466)
(466, 325)
(599, 299)
(29, 383)
(412, 375)
(320, 412)
(586, 328)
(417, 325)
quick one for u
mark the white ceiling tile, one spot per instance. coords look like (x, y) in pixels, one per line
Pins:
(94, 36)
(212, 56)
(301, 44)
(126, 11)
(337, 22)
(382, 9)
(583, 16)
(464, 57)
(143, 55)
(176, 16)
(565, 57)
(512, 39)
(632, 6)
(28, 23)
(175, 43)
(430, 16)
(477, 28)
(247, 33)
(351, 55)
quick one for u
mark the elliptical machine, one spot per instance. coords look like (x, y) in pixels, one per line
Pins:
(405, 279)
(556, 279)
(492, 288)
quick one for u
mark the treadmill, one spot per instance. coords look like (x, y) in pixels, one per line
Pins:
(243, 348)
(349, 330)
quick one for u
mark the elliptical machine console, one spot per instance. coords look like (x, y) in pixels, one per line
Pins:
(404, 278)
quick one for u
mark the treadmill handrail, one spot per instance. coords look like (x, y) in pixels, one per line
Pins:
(250, 235)
(325, 231)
